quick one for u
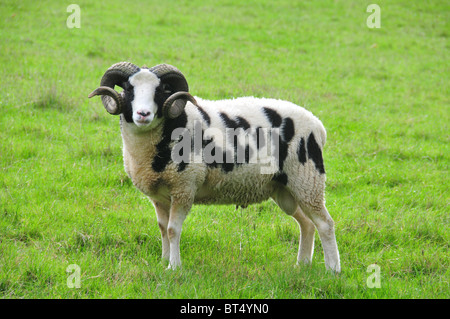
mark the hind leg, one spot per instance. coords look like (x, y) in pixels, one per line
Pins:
(325, 226)
(287, 203)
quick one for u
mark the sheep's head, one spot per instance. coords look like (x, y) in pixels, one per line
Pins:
(147, 93)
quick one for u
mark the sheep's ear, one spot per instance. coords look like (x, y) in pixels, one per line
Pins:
(175, 104)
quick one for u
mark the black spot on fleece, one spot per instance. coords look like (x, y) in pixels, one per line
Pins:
(315, 153)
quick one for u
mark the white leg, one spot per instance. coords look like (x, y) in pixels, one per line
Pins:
(325, 226)
(287, 203)
(162, 214)
(177, 216)
(307, 231)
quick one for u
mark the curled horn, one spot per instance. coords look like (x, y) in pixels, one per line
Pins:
(175, 104)
(117, 74)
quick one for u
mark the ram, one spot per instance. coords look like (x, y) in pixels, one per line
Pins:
(180, 150)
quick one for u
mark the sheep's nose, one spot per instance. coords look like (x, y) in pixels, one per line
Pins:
(143, 113)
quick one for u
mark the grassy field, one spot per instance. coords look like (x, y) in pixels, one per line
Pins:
(382, 94)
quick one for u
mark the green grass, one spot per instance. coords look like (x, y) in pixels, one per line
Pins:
(381, 93)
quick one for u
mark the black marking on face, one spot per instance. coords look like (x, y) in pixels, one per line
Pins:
(281, 178)
(128, 96)
(273, 117)
(287, 129)
(205, 115)
(315, 153)
(301, 151)
(163, 149)
(162, 92)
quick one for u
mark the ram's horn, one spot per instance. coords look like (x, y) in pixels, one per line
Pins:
(117, 74)
(171, 73)
(113, 105)
(174, 105)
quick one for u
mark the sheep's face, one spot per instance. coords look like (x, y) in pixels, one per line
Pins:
(139, 95)
(148, 95)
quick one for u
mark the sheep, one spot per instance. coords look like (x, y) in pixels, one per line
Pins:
(159, 117)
